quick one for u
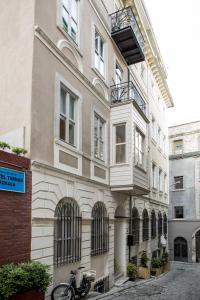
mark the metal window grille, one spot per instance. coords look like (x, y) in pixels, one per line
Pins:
(160, 227)
(145, 226)
(165, 225)
(153, 225)
(135, 226)
(67, 233)
(99, 230)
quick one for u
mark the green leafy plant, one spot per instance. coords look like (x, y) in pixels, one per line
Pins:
(156, 262)
(144, 259)
(165, 258)
(19, 151)
(18, 278)
(4, 145)
(132, 270)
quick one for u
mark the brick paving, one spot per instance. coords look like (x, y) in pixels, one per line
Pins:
(181, 283)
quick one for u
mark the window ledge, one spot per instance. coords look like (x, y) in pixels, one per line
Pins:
(96, 71)
(119, 165)
(69, 38)
(178, 190)
(67, 146)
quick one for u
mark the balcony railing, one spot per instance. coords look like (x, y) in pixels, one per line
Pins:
(125, 92)
(125, 18)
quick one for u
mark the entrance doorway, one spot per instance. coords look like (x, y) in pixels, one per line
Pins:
(120, 242)
(197, 239)
(180, 249)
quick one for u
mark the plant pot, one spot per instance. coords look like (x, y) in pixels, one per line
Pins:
(28, 295)
(156, 271)
(166, 267)
(143, 273)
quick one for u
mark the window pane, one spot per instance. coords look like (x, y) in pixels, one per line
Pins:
(74, 9)
(96, 41)
(73, 30)
(101, 69)
(96, 61)
(71, 133)
(71, 107)
(101, 150)
(65, 18)
(62, 128)
(101, 48)
(66, 4)
(63, 101)
(96, 152)
(120, 153)
(120, 134)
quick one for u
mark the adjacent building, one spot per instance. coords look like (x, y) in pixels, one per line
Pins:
(83, 89)
(184, 178)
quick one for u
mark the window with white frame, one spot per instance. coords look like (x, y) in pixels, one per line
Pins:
(139, 148)
(160, 180)
(99, 53)
(154, 177)
(99, 137)
(120, 143)
(68, 103)
(70, 17)
(178, 147)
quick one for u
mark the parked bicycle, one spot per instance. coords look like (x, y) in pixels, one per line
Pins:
(68, 291)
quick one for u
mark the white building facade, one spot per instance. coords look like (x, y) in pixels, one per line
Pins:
(88, 102)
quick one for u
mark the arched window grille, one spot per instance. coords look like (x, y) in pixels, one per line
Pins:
(67, 233)
(165, 225)
(160, 229)
(153, 225)
(99, 230)
(145, 226)
(135, 226)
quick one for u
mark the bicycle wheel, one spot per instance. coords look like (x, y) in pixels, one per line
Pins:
(62, 292)
(87, 289)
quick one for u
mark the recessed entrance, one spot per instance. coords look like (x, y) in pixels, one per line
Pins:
(180, 249)
(197, 240)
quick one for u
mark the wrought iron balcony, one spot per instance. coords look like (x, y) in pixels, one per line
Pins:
(127, 35)
(127, 91)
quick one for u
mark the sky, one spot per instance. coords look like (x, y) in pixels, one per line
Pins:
(176, 24)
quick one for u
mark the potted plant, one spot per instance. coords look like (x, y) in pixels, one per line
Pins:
(156, 266)
(143, 270)
(19, 151)
(4, 145)
(132, 271)
(27, 281)
(165, 262)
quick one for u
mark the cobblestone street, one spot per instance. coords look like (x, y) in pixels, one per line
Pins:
(182, 283)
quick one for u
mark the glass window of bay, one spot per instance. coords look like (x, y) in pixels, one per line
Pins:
(99, 137)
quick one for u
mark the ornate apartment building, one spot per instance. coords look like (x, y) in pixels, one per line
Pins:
(83, 89)
(184, 186)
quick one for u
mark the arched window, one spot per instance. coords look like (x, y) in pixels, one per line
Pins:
(145, 227)
(153, 225)
(160, 229)
(165, 225)
(67, 233)
(135, 226)
(99, 230)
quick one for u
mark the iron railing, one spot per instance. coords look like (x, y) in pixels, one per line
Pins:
(127, 91)
(125, 18)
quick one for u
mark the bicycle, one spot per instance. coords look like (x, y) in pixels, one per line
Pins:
(68, 291)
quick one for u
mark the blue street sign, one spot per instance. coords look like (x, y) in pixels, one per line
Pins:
(12, 180)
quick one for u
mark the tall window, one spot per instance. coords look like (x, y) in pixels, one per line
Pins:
(160, 227)
(118, 74)
(153, 225)
(67, 233)
(139, 149)
(154, 177)
(99, 53)
(99, 230)
(99, 136)
(165, 225)
(178, 147)
(68, 103)
(145, 218)
(178, 182)
(178, 212)
(160, 180)
(70, 17)
(153, 128)
(135, 226)
(120, 143)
